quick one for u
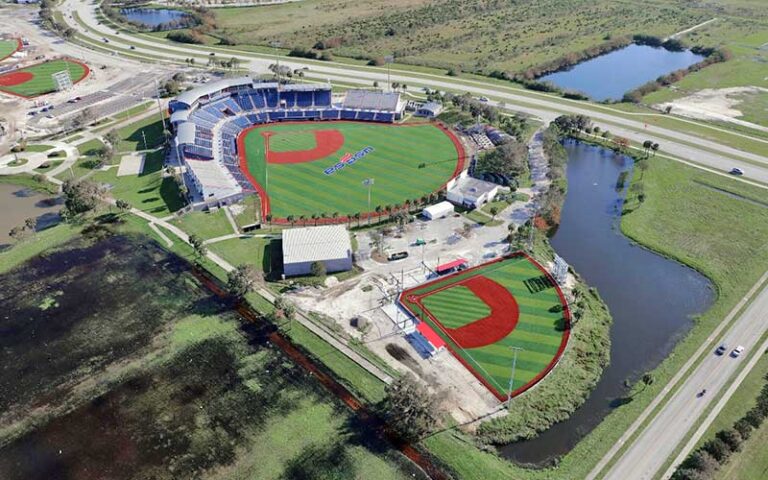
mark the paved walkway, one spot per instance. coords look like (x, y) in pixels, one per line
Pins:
(270, 297)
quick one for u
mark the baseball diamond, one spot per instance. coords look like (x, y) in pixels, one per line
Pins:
(485, 311)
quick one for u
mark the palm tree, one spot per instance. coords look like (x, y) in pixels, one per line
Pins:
(647, 146)
(291, 219)
(655, 148)
(494, 211)
(357, 217)
(314, 217)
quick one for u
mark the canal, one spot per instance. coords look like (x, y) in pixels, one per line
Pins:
(652, 299)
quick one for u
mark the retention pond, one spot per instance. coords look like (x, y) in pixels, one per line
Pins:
(652, 299)
(610, 76)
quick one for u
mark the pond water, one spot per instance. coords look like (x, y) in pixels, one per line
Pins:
(20, 203)
(651, 298)
(610, 76)
(152, 17)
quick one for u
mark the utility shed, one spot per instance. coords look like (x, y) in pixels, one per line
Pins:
(438, 210)
(329, 244)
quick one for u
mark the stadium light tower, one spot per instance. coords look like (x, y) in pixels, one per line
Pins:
(276, 44)
(512, 377)
(388, 60)
(368, 182)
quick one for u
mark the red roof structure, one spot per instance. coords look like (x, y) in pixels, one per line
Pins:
(447, 266)
(431, 336)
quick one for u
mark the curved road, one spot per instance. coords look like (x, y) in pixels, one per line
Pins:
(683, 146)
(668, 427)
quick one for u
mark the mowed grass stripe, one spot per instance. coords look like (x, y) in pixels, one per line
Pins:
(536, 333)
(303, 189)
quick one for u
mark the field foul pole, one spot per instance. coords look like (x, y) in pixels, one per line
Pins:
(512, 376)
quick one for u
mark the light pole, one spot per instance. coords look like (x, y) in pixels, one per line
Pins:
(277, 62)
(368, 182)
(512, 376)
(388, 60)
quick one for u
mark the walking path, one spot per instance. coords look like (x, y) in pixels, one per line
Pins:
(373, 369)
(689, 30)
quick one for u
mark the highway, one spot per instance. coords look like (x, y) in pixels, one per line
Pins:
(683, 146)
(667, 430)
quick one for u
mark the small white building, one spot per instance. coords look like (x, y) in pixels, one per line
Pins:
(329, 244)
(470, 192)
(429, 110)
(438, 210)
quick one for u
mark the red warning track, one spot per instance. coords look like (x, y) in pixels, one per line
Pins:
(264, 197)
(327, 142)
(486, 293)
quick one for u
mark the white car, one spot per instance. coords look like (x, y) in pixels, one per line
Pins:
(737, 351)
(736, 171)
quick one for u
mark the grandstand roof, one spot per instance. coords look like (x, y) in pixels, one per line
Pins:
(316, 244)
(179, 116)
(372, 100)
(185, 133)
(190, 96)
(215, 182)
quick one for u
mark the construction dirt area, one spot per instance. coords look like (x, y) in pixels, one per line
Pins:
(369, 299)
(715, 104)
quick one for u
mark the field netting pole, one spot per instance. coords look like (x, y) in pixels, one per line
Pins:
(512, 377)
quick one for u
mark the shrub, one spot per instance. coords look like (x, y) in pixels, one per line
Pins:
(186, 37)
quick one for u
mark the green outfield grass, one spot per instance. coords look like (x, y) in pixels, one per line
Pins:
(7, 47)
(538, 332)
(303, 189)
(42, 81)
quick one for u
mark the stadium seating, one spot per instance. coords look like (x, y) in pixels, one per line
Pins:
(220, 116)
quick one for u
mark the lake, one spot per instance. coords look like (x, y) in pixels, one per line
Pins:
(652, 299)
(610, 76)
(20, 203)
(152, 17)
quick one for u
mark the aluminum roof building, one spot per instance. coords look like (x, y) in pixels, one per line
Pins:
(329, 244)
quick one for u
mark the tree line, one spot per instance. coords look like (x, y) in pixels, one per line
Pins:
(704, 463)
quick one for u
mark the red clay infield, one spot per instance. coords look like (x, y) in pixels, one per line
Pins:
(327, 143)
(494, 327)
(15, 78)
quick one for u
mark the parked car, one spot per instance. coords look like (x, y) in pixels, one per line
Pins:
(721, 349)
(397, 256)
(737, 351)
(483, 99)
(736, 171)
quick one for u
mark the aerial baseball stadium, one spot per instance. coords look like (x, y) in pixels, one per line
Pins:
(409, 239)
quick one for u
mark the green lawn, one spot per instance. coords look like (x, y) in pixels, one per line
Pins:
(38, 148)
(205, 225)
(149, 191)
(91, 147)
(538, 330)
(7, 47)
(249, 251)
(304, 189)
(133, 136)
(42, 82)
